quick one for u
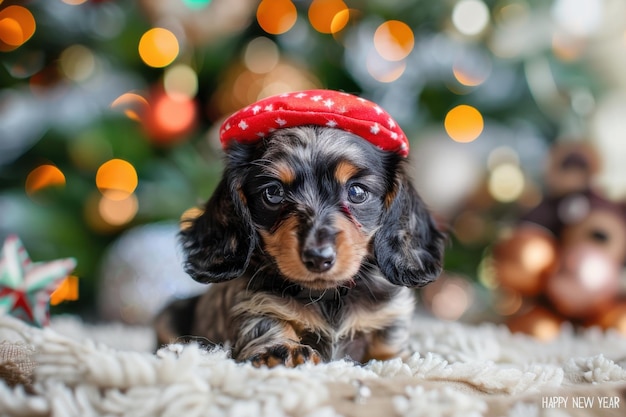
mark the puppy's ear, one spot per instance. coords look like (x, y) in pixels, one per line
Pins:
(408, 247)
(218, 244)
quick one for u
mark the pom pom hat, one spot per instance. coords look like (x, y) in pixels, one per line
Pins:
(316, 107)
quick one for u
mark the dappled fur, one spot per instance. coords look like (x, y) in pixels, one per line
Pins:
(311, 242)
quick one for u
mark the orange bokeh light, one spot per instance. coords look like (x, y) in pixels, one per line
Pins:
(158, 47)
(464, 123)
(133, 105)
(67, 291)
(328, 16)
(17, 25)
(116, 179)
(276, 16)
(44, 176)
(394, 40)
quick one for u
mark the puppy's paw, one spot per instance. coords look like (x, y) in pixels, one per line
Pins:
(288, 354)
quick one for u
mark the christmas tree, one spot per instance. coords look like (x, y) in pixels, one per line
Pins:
(110, 111)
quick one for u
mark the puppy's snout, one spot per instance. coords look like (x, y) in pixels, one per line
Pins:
(319, 258)
(319, 252)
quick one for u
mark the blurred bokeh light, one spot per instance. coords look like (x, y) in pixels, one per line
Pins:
(276, 16)
(394, 40)
(116, 179)
(514, 109)
(328, 16)
(158, 47)
(17, 25)
(42, 177)
(464, 123)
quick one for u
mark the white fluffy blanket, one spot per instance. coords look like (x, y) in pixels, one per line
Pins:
(456, 370)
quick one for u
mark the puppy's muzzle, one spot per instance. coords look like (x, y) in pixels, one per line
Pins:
(319, 252)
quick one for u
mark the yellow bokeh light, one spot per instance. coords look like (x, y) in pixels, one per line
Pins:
(276, 16)
(394, 40)
(464, 123)
(261, 55)
(17, 25)
(77, 62)
(118, 212)
(158, 47)
(180, 81)
(506, 183)
(116, 179)
(44, 176)
(328, 16)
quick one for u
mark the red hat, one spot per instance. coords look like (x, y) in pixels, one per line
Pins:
(316, 107)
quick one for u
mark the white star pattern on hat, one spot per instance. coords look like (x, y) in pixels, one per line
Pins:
(331, 123)
(281, 122)
(256, 109)
(243, 125)
(328, 103)
(375, 129)
(317, 98)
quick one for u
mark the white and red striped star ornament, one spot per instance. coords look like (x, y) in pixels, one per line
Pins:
(316, 107)
(25, 286)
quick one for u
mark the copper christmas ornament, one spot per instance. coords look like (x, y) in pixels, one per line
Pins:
(525, 259)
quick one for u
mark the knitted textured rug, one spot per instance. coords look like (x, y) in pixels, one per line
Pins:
(74, 369)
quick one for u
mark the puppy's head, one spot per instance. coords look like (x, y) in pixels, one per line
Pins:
(319, 202)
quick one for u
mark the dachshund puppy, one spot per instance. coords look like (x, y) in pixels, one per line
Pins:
(310, 242)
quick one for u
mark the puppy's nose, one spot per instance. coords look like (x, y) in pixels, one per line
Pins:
(319, 258)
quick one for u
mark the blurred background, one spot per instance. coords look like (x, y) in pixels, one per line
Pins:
(516, 112)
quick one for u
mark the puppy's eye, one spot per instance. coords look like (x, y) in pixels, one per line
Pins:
(274, 194)
(357, 194)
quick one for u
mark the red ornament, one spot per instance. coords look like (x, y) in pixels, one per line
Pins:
(320, 108)
(169, 119)
(586, 284)
(525, 259)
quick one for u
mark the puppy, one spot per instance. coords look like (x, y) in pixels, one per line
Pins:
(311, 243)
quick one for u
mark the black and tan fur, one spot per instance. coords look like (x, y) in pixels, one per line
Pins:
(318, 272)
